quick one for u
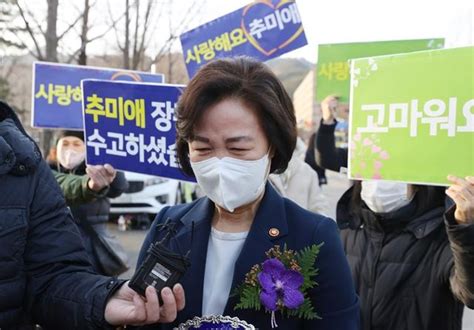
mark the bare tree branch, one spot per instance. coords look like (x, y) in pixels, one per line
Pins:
(173, 36)
(65, 48)
(25, 46)
(126, 51)
(12, 66)
(38, 25)
(85, 29)
(89, 40)
(73, 55)
(22, 45)
(114, 23)
(141, 49)
(10, 43)
(39, 54)
(155, 21)
(189, 17)
(71, 26)
(114, 26)
(78, 10)
(135, 41)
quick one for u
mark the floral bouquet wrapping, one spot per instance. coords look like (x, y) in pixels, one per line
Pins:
(215, 322)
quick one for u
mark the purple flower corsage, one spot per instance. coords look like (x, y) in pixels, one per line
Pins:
(281, 283)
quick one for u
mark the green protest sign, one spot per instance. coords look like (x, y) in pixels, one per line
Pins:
(412, 116)
(333, 61)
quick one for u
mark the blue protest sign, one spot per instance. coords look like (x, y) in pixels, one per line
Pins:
(132, 126)
(56, 97)
(262, 29)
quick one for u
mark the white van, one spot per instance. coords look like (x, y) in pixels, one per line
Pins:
(145, 197)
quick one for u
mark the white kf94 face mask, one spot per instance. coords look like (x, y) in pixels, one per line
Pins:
(385, 196)
(230, 182)
(69, 158)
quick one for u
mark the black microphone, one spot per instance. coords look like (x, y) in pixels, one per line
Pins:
(161, 267)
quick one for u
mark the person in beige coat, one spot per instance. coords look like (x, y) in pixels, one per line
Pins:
(300, 183)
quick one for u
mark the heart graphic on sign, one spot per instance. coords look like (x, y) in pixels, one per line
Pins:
(248, 15)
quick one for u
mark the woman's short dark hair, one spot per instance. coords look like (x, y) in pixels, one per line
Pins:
(257, 87)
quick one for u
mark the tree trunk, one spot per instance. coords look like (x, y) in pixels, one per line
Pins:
(126, 50)
(135, 54)
(85, 28)
(51, 32)
(170, 55)
(51, 56)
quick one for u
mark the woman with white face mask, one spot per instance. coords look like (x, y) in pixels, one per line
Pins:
(85, 188)
(412, 261)
(236, 125)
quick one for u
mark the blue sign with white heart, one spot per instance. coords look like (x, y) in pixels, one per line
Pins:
(262, 29)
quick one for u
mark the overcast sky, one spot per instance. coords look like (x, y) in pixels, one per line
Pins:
(324, 21)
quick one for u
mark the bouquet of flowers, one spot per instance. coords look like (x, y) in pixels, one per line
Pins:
(281, 283)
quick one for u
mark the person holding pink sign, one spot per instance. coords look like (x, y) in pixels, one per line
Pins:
(409, 246)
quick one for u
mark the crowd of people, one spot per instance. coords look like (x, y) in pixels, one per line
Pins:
(397, 256)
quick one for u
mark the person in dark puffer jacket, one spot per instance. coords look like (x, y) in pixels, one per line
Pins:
(412, 261)
(45, 274)
(412, 264)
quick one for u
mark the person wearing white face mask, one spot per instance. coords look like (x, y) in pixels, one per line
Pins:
(235, 126)
(385, 196)
(85, 188)
(412, 261)
(66, 159)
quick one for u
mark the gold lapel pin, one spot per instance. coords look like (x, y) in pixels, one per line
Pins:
(274, 232)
